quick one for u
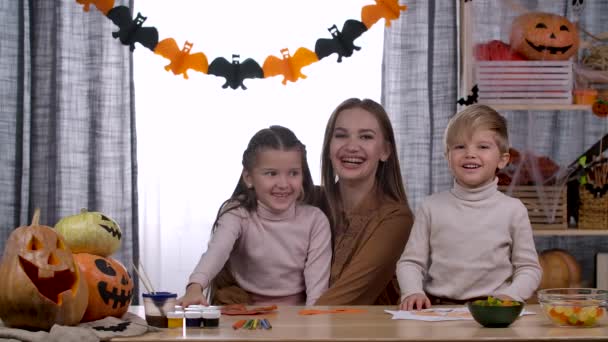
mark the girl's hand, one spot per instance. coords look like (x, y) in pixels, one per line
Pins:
(504, 297)
(416, 301)
(194, 295)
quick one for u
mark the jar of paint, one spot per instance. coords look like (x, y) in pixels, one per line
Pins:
(211, 318)
(175, 319)
(193, 319)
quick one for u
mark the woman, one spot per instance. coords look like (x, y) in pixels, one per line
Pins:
(365, 201)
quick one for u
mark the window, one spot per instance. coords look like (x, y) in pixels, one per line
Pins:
(192, 133)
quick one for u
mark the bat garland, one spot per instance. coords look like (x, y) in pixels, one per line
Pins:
(342, 42)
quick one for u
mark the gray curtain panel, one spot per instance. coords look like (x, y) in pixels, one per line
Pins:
(67, 123)
(420, 93)
(419, 84)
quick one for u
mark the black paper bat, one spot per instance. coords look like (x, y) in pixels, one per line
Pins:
(470, 98)
(341, 43)
(130, 31)
(235, 72)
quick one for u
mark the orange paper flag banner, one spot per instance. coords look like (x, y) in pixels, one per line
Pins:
(387, 9)
(289, 66)
(181, 60)
(104, 6)
(318, 312)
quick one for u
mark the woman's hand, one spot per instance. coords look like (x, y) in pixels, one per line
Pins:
(416, 301)
(194, 295)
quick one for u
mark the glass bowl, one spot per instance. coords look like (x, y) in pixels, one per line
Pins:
(574, 307)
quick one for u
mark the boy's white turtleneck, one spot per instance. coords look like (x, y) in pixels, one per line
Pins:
(468, 243)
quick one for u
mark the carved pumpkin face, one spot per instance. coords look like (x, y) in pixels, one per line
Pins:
(40, 283)
(544, 36)
(600, 108)
(110, 286)
(90, 232)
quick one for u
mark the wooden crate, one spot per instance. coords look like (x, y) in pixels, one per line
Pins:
(524, 82)
(547, 208)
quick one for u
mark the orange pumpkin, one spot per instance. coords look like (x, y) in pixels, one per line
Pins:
(40, 284)
(560, 269)
(600, 108)
(110, 286)
(544, 36)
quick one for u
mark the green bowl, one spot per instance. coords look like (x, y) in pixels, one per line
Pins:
(495, 316)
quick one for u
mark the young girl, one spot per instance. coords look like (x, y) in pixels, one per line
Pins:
(471, 241)
(277, 248)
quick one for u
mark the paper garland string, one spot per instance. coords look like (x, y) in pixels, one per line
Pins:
(235, 71)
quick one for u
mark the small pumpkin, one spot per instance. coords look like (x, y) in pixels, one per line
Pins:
(40, 284)
(560, 269)
(110, 286)
(600, 108)
(544, 36)
(90, 232)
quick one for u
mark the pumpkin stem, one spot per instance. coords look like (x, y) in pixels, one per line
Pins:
(36, 218)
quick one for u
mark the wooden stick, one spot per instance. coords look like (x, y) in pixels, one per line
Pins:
(143, 272)
(143, 280)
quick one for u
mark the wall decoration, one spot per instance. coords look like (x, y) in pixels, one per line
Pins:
(131, 31)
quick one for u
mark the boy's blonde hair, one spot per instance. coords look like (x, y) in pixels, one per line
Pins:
(474, 118)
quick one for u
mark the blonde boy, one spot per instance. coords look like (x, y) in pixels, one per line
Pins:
(471, 241)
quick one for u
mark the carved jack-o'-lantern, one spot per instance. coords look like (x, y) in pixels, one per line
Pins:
(40, 284)
(90, 232)
(544, 36)
(110, 286)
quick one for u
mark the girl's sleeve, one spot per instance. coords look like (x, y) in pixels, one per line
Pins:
(318, 260)
(413, 264)
(369, 271)
(218, 251)
(527, 272)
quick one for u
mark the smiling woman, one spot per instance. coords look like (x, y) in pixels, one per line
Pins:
(191, 132)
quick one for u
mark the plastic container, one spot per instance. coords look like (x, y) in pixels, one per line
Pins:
(193, 319)
(175, 319)
(211, 318)
(574, 307)
(584, 96)
(157, 305)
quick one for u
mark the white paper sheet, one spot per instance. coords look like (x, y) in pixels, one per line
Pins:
(439, 314)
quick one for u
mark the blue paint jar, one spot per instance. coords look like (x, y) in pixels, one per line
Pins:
(193, 319)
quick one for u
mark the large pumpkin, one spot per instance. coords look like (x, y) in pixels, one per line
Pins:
(90, 232)
(544, 36)
(110, 286)
(560, 269)
(40, 284)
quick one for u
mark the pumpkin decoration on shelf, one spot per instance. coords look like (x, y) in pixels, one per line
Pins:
(544, 36)
(40, 284)
(560, 269)
(90, 232)
(600, 108)
(110, 286)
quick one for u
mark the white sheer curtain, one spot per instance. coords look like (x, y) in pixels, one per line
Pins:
(191, 133)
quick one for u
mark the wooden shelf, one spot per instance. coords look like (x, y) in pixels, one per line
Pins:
(570, 232)
(540, 107)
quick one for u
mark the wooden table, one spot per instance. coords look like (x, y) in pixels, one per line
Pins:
(374, 325)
